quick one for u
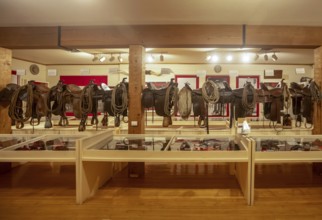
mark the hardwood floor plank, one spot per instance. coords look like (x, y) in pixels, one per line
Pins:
(168, 191)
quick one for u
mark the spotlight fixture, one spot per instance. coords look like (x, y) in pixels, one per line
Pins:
(256, 57)
(95, 58)
(112, 58)
(120, 59)
(208, 58)
(274, 57)
(102, 58)
(265, 57)
(161, 57)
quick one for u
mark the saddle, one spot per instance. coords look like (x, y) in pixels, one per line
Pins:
(185, 101)
(163, 100)
(6, 94)
(302, 103)
(115, 102)
(199, 106)
(273, 102)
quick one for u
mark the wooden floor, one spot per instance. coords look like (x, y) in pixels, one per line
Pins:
(168, 191)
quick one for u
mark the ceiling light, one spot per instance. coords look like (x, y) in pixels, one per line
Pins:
(208, 58)
(112, 58)
(150, 58)
(265, 57)
(246, 58)
(229, 58)
(120, 59)
(274, 57)
(214, 58)
(256, 57)
(102, 59)
(161, 58)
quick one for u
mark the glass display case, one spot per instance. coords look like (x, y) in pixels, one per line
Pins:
(55, 148)
(7, 140)
(284, 150)
(184, 143)
(293, 148)
(136, 142)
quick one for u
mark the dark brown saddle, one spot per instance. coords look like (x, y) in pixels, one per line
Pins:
(302, 103)
(6, 93)
(35, 97)
(199, 107)
(243, 102)
(273, 102)
(115, 103)
(162, 100)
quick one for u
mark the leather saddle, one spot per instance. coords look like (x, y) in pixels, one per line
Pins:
(273, 102)
(160, 99)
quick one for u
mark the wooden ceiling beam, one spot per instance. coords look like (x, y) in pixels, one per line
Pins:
(283, 36)
(155, 36)
(29, 37)
(158, 36)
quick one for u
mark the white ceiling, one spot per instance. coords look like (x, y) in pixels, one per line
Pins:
(129, 12)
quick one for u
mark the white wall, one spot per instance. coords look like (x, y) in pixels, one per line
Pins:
(19, 64)
(179, 69)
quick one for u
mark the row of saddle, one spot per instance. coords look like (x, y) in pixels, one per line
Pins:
(165, 101)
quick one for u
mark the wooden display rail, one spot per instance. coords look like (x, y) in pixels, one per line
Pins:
(274, 157)
(96, 166)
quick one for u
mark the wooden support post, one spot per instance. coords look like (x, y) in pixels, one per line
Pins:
(318, 79)
(5, 75)
(136, 112)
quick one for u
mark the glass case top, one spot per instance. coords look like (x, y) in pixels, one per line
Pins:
(203, 144)
(289, 144)
(12, 140)
(128, 142)
(53, 143)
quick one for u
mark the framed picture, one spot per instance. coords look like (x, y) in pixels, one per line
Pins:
(254, 80)
(193, 81)
(218, 110)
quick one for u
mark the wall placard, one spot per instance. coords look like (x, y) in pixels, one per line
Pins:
(273, 74)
